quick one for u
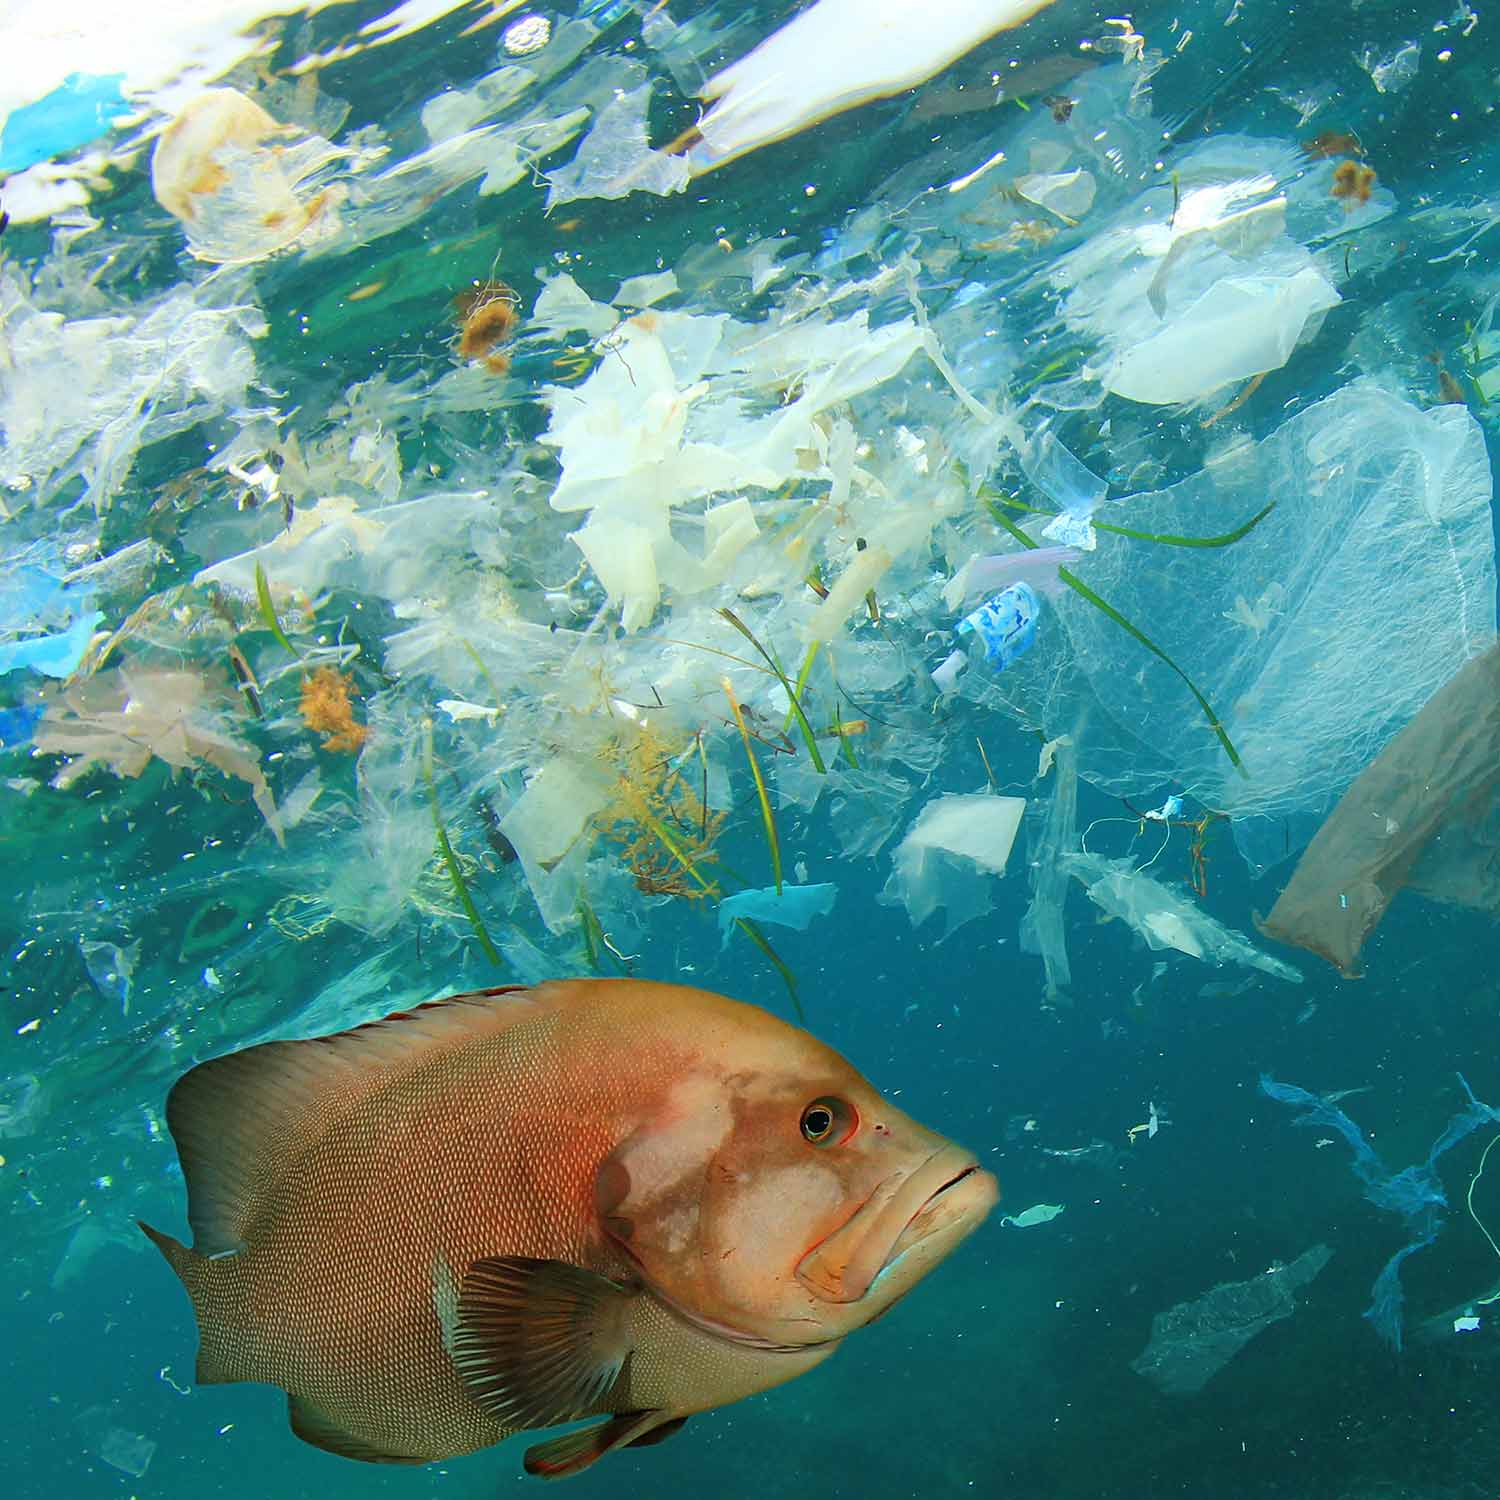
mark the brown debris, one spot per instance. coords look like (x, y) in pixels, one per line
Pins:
(1353, 183)
(487, 316)
(326, 708)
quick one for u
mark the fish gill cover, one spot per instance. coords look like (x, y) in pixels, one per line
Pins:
(494, 491)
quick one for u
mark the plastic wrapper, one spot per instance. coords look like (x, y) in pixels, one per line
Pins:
(238, 179)
(1422, 813)
(1192, 1342)
(1298, 634)
(1164, 918)
(955, 843)
(615, 159)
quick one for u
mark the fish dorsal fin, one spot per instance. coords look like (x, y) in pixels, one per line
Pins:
(573, 1452)
(539, 1341)
(238, 1120)
(313, 1427)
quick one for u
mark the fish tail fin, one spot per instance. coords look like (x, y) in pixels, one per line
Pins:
(196, 1273)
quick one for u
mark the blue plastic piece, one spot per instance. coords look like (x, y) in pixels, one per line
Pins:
(76, 112)
(17, 725)
(1414, 1192)
(52, 655)
(1005, 624)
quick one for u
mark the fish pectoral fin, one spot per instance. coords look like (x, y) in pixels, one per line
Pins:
(313, 1427)
(539, 1341)
(573, 1452)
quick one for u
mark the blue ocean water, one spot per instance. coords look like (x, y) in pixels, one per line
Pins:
(258, 452)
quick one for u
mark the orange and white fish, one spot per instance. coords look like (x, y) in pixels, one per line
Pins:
(514, 1208)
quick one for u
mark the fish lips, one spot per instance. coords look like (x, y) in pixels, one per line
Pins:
(904, 1228)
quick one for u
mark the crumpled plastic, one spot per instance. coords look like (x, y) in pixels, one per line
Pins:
(1165, 919)
(1423, 813)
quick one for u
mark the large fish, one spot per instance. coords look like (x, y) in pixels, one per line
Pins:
(515, 1208)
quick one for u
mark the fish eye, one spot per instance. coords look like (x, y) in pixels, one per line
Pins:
(828, 1122)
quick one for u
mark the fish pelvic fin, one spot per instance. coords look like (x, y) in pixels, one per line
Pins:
(573, 1452)
(538, 1342)
(313, 1427)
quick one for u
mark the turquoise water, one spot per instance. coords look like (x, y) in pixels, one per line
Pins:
(242, 451)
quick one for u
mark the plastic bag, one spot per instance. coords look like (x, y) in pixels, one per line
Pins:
(1192, 1342)
(1417, 815)
(1317, 637)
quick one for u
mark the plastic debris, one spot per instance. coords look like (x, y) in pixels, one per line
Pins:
(1166, 919)
(1039, 1213)
(794, 906)
(52, 655)
(1414, 1193)
(614, 159)
(124, 717)
(239, 180)
(1192, 1342)
(1051, 832)
(1423, 813)
(1378, 504)
(129, 1452)
(77, 111)
(834, 55)
(956, 840)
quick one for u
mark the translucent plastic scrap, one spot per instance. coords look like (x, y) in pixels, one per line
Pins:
(1212, 291)
(1051, 832)
(1166, 919)
(79, 397)
(1416, 815)
(615, 158)
(834, 55)
(238, 179)
(130, 1452)
(956, 842)
(1192, 1342)
(1239, 327)
(1382, 517)
(793, 906)
(124, 717)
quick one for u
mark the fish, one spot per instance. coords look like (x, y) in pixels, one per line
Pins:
(517, 1207)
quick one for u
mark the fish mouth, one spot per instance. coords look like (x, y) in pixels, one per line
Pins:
(905, 1227)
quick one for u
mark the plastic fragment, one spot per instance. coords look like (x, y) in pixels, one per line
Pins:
(1166, 919)
(795, 906)
(956, 840)
(52, 655)
(837, 54)
(1039, 1213)
(77, 111)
